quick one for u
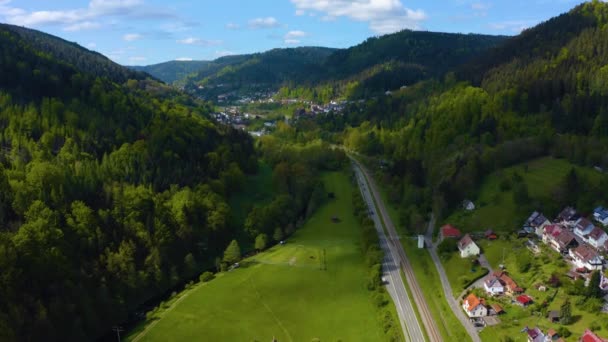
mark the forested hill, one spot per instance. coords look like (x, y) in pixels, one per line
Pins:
(267, 69)
(74, 54)
(172, 71)
(109, 195)
(544, 92)
(390, 62)
(435, 52)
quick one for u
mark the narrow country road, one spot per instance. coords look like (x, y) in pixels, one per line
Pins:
(395, 286)
(445, 284)
(398, 254)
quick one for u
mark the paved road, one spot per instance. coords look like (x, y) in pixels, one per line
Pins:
(399, 255)
(395, 287)
(447, 289)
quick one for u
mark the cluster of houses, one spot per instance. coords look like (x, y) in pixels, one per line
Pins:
(577, 238)
(537, 335)
(574, 236)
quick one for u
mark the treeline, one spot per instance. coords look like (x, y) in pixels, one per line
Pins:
(374, 257)
(297, 165)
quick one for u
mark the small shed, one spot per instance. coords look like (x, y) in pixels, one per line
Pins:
(497, 309)
(553, 316)
(524, 300)
(490, 235)
(420, 241)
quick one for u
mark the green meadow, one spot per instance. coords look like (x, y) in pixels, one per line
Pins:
(312, 287)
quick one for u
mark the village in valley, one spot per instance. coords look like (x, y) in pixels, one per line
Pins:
(543, 281)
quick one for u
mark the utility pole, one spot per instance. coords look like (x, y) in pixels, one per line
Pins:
(118, 330)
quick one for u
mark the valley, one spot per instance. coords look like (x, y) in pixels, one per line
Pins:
(400, 184)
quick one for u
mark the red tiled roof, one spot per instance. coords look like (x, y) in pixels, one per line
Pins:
(524, 299)
(596, 233)
(450, 231)
(473, 301)
(589, 336)
(497, 308)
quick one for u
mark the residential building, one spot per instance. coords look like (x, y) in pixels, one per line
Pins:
(568, 216)
(468, 247)
(524, 300)
(494, 281)
(536, 335)
(600, 214)
(449, 231)
(474, 306)
(583, 227)
(536, 222)
(468, 205)
(559, 238)
(590, 336)
(587, 257)
(597, 238)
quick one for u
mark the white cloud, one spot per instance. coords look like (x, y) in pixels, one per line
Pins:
(130, 37)
(383, 16)
(300, 12)
(223, 53)
(85, 25)
(233, 26)
(262, 23)
(295, 34)
(184, 59)
(293, 37)
(198, 41)
(480, 6)
(91, 46)
(74, 19)
(137, 59)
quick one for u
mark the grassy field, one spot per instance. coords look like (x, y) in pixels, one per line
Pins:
(496, 210)
(461, 272)
(543, 265)
(283, 292)
(428, 278)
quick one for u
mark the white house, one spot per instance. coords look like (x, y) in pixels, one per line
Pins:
(583, 227)
(468, 205)
(468, 247)
(597, 238)
(585, 256)
(493, 285)
(474, 307)
(537, 222)
(600, 214)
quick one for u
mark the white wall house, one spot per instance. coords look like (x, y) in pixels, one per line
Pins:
(474, 307)
(597, 238)
(585, 256)
(468, 247)
(493, 285)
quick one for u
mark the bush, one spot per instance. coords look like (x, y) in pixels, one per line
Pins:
(564, 332)
(207, 276)
(379, 299)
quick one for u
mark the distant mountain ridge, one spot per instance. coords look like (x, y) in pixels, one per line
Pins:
(377, 64)
(172, 71)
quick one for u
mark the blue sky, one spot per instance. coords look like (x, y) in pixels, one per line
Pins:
(144, 32)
